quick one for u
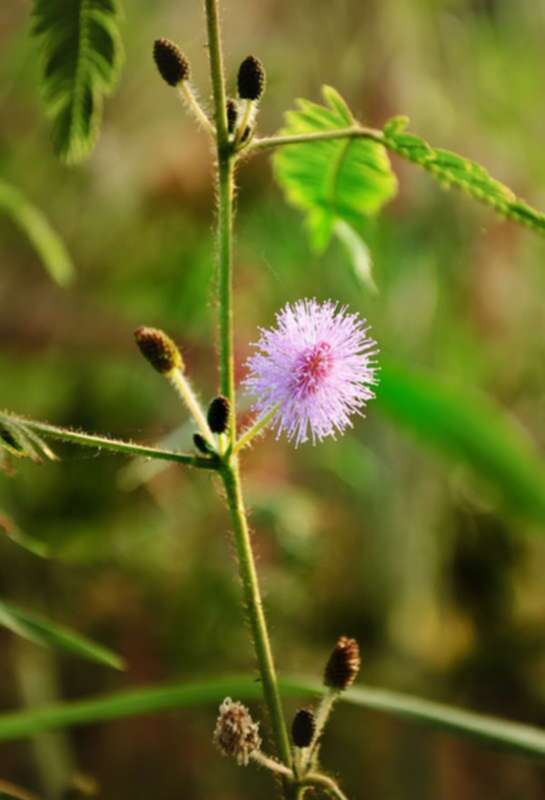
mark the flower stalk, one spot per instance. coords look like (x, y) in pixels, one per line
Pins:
(230, 470)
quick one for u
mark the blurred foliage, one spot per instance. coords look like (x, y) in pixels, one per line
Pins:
(375, 535)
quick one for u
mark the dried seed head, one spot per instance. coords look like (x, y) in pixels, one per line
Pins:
(232, 114)
(158, 349)
(218, 414)
(343, 665)
(171, 62)
(303, 727)
(236, 734)
(251, 79)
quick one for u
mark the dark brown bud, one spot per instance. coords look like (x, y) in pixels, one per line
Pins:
(158, 349)
(232, 114)
(303, 727)
(248, 131)
(251, 79)
(343, 665)
(201, 444)
(171, 62)
(218, 414)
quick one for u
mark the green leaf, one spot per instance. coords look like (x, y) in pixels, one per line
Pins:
(489, 731)
(48, 634)
(469, 428)
(335, 180)
(47, 243)
(82, 55)
(451, 169)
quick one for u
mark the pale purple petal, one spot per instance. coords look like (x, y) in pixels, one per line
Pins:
(317, 366)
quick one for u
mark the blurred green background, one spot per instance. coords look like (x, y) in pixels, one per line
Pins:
(377, 535)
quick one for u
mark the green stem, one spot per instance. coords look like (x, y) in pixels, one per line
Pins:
(355, 132)
(105, 443)
(225, 288)
(256, 429)
(254, 608)
(230, 470)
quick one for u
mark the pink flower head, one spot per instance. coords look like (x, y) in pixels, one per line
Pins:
(317, 366)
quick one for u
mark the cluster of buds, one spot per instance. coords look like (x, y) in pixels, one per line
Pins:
(241, 112)
(237, 735)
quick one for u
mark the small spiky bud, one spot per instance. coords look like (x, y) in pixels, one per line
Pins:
(303, 727)
(236, 734)
(251, 79)
(171, 62)
(343, 665)
(158, 349)
(218, 414)
(232, 114)
(201, 444)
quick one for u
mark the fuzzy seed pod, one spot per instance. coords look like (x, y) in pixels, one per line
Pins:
(171, 62)
(343, 665)
(232, 115)
(303, 727)
(201, 444)
(251, 79)
(236, 734)
(158, 349)
(218, 414)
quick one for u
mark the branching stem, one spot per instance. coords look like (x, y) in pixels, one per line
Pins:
(354, 132)
(114, 445)
(230, 470)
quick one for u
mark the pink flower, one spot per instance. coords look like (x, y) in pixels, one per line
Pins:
(317, 366)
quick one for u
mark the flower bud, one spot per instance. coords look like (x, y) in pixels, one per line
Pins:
(158, 349)
(343, 665)
(236, 734)
(201, 444)
(232, 115)
(251, 79)
(218, 414)
(303, 727)
(171, 62)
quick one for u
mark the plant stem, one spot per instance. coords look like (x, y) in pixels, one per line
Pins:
(225, 287)
(105, 443)
(258, 426)
(229, 470)
(355, 132)
(254, 607)
(182, 387)
(317, 779)
(187, 96)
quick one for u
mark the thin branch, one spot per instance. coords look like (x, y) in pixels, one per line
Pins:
(106, 443)
(188, 98)
(272, 764)
(255, 429)
(355, 132)
(328, 784)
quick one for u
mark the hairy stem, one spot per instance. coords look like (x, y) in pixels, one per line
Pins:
(254, 608)
(225, 284)
(326, 783)
(230, 471)
(257, 428)
(182, 387)
(106, 443)
(354, 132)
